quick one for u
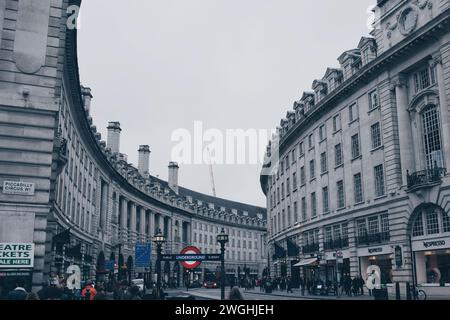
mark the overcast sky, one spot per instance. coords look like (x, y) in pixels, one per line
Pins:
(159, 65)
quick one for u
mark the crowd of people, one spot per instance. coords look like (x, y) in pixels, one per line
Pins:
(347, 286)
(100, 291)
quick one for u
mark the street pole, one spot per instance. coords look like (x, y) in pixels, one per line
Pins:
(158, 281)
(222, 278)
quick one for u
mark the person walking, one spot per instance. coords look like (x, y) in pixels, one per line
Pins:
(289, 286)
(302, 286)
(19, 293)
(89, 292)
(361, 284)
(235, 294)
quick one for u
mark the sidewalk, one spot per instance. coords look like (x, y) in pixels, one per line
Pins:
(297, 294)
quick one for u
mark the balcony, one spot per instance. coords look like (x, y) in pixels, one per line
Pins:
(425, 178)
(310, 248)
(336, 244)
(375, 238)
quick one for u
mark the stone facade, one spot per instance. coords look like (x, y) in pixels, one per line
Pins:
(363, 157)
(83, 183)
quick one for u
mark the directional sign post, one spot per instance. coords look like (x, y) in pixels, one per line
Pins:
(143, 252)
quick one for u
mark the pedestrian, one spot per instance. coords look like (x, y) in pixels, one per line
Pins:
(235, 294)
(361, 285)
(89, 292)
(134, 293)
(122, 291)
(32, 296)
(302, 286)
(19, 293)
(101, 293)
(355, 286)
(289, 286)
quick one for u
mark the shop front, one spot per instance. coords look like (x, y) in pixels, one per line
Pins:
(16, 265)
(381, 256)
(432, 261)
(337, 264)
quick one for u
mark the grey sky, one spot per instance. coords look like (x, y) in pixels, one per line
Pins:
(160, 65)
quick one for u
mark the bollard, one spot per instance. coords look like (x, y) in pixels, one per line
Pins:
(397, 291)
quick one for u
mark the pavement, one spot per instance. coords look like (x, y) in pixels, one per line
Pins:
(214, 294)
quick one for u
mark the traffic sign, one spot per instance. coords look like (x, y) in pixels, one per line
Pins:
(193, 251)
(142, 253)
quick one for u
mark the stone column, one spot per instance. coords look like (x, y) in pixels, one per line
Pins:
(123, 218)
(133, 219)
(151, 224)
(404, 127)
(143, 223)
(104, 205)
(443, 106)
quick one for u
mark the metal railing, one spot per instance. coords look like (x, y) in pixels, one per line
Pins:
(310, 248)
(374, 238)
(425, 177)
(336, 244)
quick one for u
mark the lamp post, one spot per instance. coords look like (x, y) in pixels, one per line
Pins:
(159, 240)
(222, 238)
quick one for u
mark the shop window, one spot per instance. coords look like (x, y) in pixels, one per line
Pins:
(445, 222)
(432, 222)
(418, 227)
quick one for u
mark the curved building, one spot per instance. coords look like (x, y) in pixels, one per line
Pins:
(69, 197)
(362, 178)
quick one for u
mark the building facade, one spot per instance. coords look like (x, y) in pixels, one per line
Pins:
(362, 178)
(71, 198)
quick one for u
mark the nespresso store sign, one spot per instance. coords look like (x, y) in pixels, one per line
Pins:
(431, 244)
(374, 251)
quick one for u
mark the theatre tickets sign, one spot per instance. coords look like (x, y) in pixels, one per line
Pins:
(16, 255)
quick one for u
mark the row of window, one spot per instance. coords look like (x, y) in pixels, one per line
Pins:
(376, 141)
(280, 223)
(353, 111)
(204, 227)
(358, 197)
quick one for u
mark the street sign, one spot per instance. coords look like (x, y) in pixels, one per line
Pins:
(109, 265)
(18, 188)
(142, 254)
(191, 264)
(191, 257)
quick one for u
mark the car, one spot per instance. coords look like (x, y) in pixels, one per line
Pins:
(139, 283)
(210, 285)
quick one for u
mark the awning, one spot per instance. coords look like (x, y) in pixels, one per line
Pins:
(306, 262)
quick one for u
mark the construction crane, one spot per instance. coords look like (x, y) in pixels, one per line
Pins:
(211, 173)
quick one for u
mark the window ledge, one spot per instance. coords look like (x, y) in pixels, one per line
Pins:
(373, 109)
(380, 197)
(313, 179)
(336, 132)
(310, 149)
(339, 166)
(323, 140)
(357, 158)
(376, 149)
(324, 173)
(341, 209)
(353, 121)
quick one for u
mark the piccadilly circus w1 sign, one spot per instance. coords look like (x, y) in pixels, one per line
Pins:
(191, 264)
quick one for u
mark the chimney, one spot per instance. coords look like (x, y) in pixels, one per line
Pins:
(173, 176)
(87, 97)
(114, 136)
(144, 158)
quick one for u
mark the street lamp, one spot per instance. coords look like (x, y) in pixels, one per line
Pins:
(222, 238)
(159, 240)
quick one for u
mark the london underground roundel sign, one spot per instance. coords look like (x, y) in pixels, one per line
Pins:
(191, 264)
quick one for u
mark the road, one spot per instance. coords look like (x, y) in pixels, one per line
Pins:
(214, 294)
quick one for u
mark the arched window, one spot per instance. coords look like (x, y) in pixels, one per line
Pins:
(430, 221)
(432, 137)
